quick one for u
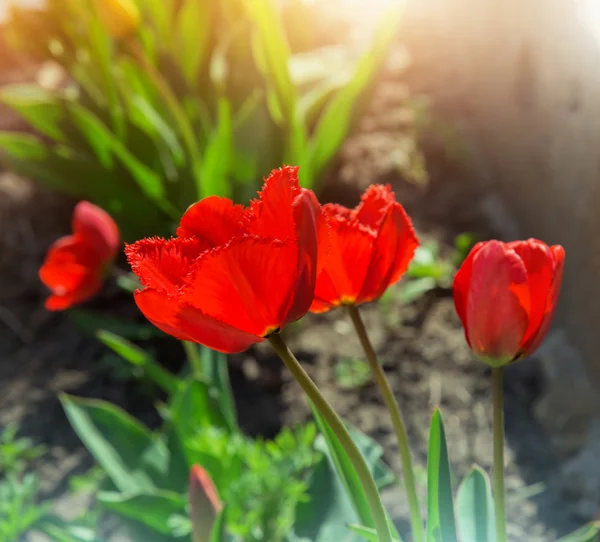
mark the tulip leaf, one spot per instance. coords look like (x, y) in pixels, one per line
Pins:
(587, 533)
(345, 470)
(162, 511)
(140, 358)
(216, 167)
(103, 141)
(337, 495)
(475, 508)
(367, 533)
(272, 55)
(123, 447)
(216, 370)
(193, 409)
(91, 322)
(41, 108)
(192, 36)
(219, 533)
(441, 526)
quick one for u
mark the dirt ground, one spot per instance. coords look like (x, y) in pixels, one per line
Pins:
(421, 345)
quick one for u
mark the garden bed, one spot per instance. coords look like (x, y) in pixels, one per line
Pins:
(420, 344)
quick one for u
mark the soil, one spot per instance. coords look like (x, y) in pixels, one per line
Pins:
(421, 344)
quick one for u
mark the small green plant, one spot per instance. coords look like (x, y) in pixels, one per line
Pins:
(351, 373)
(20, 510)
(429, 270)
(16, 453)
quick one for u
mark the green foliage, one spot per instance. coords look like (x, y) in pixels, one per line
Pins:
(19, 511)
(429, 270)
(475, 507)
(440, 506)
(351, 373)
(201, 100)
(16, 453)
(337, 497)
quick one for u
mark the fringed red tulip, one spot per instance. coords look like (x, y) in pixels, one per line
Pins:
(506, 295)
(75, 266)
(365, 250)
(233, 275)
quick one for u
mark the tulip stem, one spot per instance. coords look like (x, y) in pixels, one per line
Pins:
(397, 421)
(337, 426)
(498, 422)
(194, 358)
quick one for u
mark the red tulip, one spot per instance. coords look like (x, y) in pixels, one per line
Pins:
(205, 504)
(505, 295)
(233, 275)
(76, 265)
(365, 250)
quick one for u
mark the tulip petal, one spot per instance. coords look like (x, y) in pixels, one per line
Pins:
(71, 272)
(99, 230)
(342, 279)
(88, 286)
(496, 320)
(307, 213)
(215, 220)
(163, 264)
(190, 324)
(212, 333)
(248, 284)
(393, 250)
(460, 287)
(161, 310)
(374, 205)
(272, 214)
(550, 302)
(540, 266)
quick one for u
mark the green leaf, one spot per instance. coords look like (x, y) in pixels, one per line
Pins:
(587, 533)
(116, 440)
(272, 53)
(147, 118)
(91, 322)
(345, 470)
(367, 533)
(216, 370)
(440, 508)
(60, 530)
(41, 108)
(336, 120)
(475, 508)
(414, 289)
(159, 510)
(140, 358)
(192, 410)
(324, 516)
(219, 533)
(217, 163)
(22, 146)
(101, 139)
(192, 36)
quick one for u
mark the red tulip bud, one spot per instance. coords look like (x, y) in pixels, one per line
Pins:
(205, 504)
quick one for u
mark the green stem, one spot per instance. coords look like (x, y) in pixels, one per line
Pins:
(398, 423)
(498, 421)
(362, 470)
(194, 358)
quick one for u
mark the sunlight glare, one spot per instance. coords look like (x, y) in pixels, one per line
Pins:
(588, 12)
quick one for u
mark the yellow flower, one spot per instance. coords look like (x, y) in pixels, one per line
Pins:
(120, 17)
